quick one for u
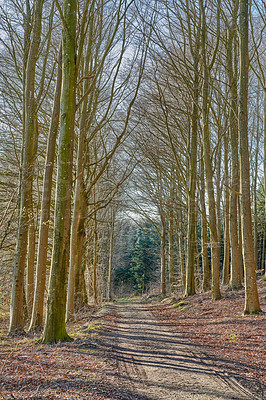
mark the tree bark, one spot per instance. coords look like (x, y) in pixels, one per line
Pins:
(264, 155)
(55, 329)
(191, 233)
(110, 260)
(162, 254)
(37, 312)
(30, 262)
(215, 244)
(79, 298)
(251, 293)
(232, 71)
(206, 285)
(95, 261)
(78, 184)
(226, 259)
(28, 159)
(171, 263)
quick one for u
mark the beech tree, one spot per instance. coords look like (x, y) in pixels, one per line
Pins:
(56, 305)
(151, 105)
(37, 312)
(251, 293)
(27, 161)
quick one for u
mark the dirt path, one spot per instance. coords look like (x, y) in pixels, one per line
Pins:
(156, 364)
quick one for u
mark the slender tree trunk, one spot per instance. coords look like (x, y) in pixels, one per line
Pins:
(255, 181)
(28, 159)
(95, 261)
(215, 244)
(264, 155)
(79, 300)
(78, 183)
(181, 258)
(191, 233)
(163, 257)
(225, 280)
(206, 284)
(171, 263)
(55, 329)
(30, 263)
(232, 71)
(263, 253)
(110, 260)
(251, 292)
(219, 193)
(37, 312)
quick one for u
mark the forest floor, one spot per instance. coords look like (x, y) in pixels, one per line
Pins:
(180, 349)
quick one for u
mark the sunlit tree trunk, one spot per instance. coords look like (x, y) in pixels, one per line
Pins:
(215, 244)
(79, 298)
(83, 127)
(181, 256)
(30, 269)
(171, 262)
(171, 251)
(206, 284)
(110, 260)
(255, 180)
(76, 214)
(30, 262)
(225, 280)
(264, 147)
(232, 71)
(191, 233)
(55, 329)
(37, 312)
(163, 256)
(95, 260)
(28, 159)
(251, 292)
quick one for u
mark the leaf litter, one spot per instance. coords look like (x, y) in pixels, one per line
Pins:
(80, 370)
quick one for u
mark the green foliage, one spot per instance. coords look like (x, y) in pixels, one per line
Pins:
(143, 262)
(138, 265)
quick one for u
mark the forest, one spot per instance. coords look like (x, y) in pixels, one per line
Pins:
(132, 154)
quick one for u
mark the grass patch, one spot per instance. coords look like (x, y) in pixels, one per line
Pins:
(131, 299)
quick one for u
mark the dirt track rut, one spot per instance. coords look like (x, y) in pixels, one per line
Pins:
(155, 364)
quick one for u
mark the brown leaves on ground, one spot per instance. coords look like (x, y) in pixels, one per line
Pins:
(235, 342)
(80, 370)
(72, 370)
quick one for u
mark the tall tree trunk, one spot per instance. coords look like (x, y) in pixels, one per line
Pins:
(191, 232)
(171, 261)
(206, 284)
(255, 182)
(83, 127)
(110, 260)
(163, 257)
(215, 244)
(79, 300)
(181, 259)
(31, 238)
(55, 329)
(30, 262)
(95, 261)
(232, 71)
(225, 280)
(37, 312)
(28, 159)
(264, 148)
(251, 292)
